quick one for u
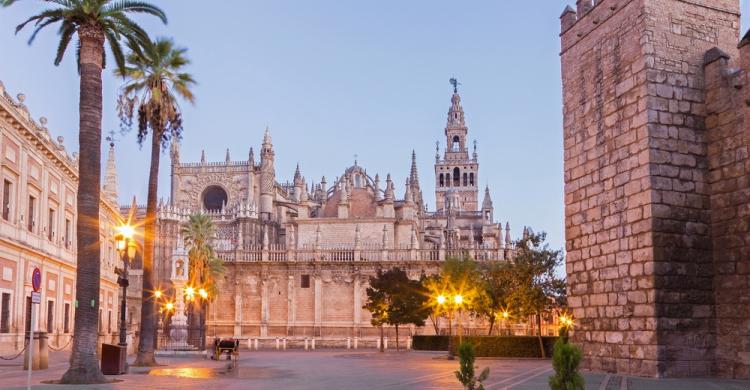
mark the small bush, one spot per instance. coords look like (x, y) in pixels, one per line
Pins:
(565, 361)
(490, 346)
(465, 374)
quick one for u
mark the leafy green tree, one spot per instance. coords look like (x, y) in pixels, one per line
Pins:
(536, 288)
(94, 22)
(466, 374)
(565, 361)
(377, 304)
(497, 280)
(397, 300)
(154, 82)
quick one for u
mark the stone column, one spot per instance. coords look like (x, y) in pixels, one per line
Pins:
(237, 307)
(357, 301)
(291, 305)
(264, 307)
(318, 303)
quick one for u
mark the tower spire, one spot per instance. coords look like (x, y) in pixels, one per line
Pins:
(297, 176)
(110, 176)
(413, 175)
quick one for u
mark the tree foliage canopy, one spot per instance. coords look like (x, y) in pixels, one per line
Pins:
(108, 17)
(535, 286)
(394, 299)
(204, 268)
(154, 81)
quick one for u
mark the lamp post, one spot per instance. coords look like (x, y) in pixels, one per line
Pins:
(126, 248)
(451, 302)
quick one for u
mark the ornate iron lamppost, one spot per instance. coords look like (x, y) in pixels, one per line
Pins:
(126, 248)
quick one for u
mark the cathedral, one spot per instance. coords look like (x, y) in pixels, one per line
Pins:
(298, 254)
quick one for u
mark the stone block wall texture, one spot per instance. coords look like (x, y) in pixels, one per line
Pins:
(727, 97)
(640, 185)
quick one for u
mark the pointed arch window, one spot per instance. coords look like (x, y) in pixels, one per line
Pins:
(456, 177)
(456, 144)
(442, 180)
(466, 179)
(471, 179)
(357, 181)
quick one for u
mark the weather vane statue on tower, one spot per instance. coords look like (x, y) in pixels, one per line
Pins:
(455, 84)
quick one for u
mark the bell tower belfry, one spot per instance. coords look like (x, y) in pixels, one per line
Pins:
(457, 170)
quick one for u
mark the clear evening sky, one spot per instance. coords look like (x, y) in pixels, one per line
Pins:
(337, 78)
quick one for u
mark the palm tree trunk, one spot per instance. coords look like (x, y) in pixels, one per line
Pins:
(84, 365)
(146, 342)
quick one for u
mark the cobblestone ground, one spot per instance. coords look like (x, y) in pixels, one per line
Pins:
(331, 369)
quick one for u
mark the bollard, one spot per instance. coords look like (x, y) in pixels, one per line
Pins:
(305, 343)
(256, 344)
(284, 343)
(385, 344)
(313, 343)
(277, 343)
(356, 341)
(377, 343)
(43, 351)
(348, 343)
(34, 345)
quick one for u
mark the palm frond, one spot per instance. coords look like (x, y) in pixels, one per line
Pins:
(126, 6)
(67, 31)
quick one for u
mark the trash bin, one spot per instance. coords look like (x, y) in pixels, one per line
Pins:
(114, 359)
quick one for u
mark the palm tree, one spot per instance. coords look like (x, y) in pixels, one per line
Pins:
(94, 21)
(153, 83)
(204, 267)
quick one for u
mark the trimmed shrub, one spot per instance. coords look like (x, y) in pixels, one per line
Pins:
(490, 346)
(565, 360)
(466, 374)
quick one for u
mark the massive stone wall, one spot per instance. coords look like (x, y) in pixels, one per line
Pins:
(727, 97)
(638, 199)
(271, 299)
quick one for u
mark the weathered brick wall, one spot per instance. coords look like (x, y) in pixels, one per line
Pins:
(727, 92)
(637, 200)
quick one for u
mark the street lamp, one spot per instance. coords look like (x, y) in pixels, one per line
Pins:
(451, 303)
(126, 247)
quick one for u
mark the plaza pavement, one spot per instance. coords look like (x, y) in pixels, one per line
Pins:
(339, 369)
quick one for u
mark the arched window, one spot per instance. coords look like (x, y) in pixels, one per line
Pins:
(466, 179)
(214, 198)
(471, 179)
(447, 179)
(357, 181)
(456, 145)
(456, 177)
(442, 180)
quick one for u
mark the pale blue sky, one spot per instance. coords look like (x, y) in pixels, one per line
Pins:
(333, 79)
